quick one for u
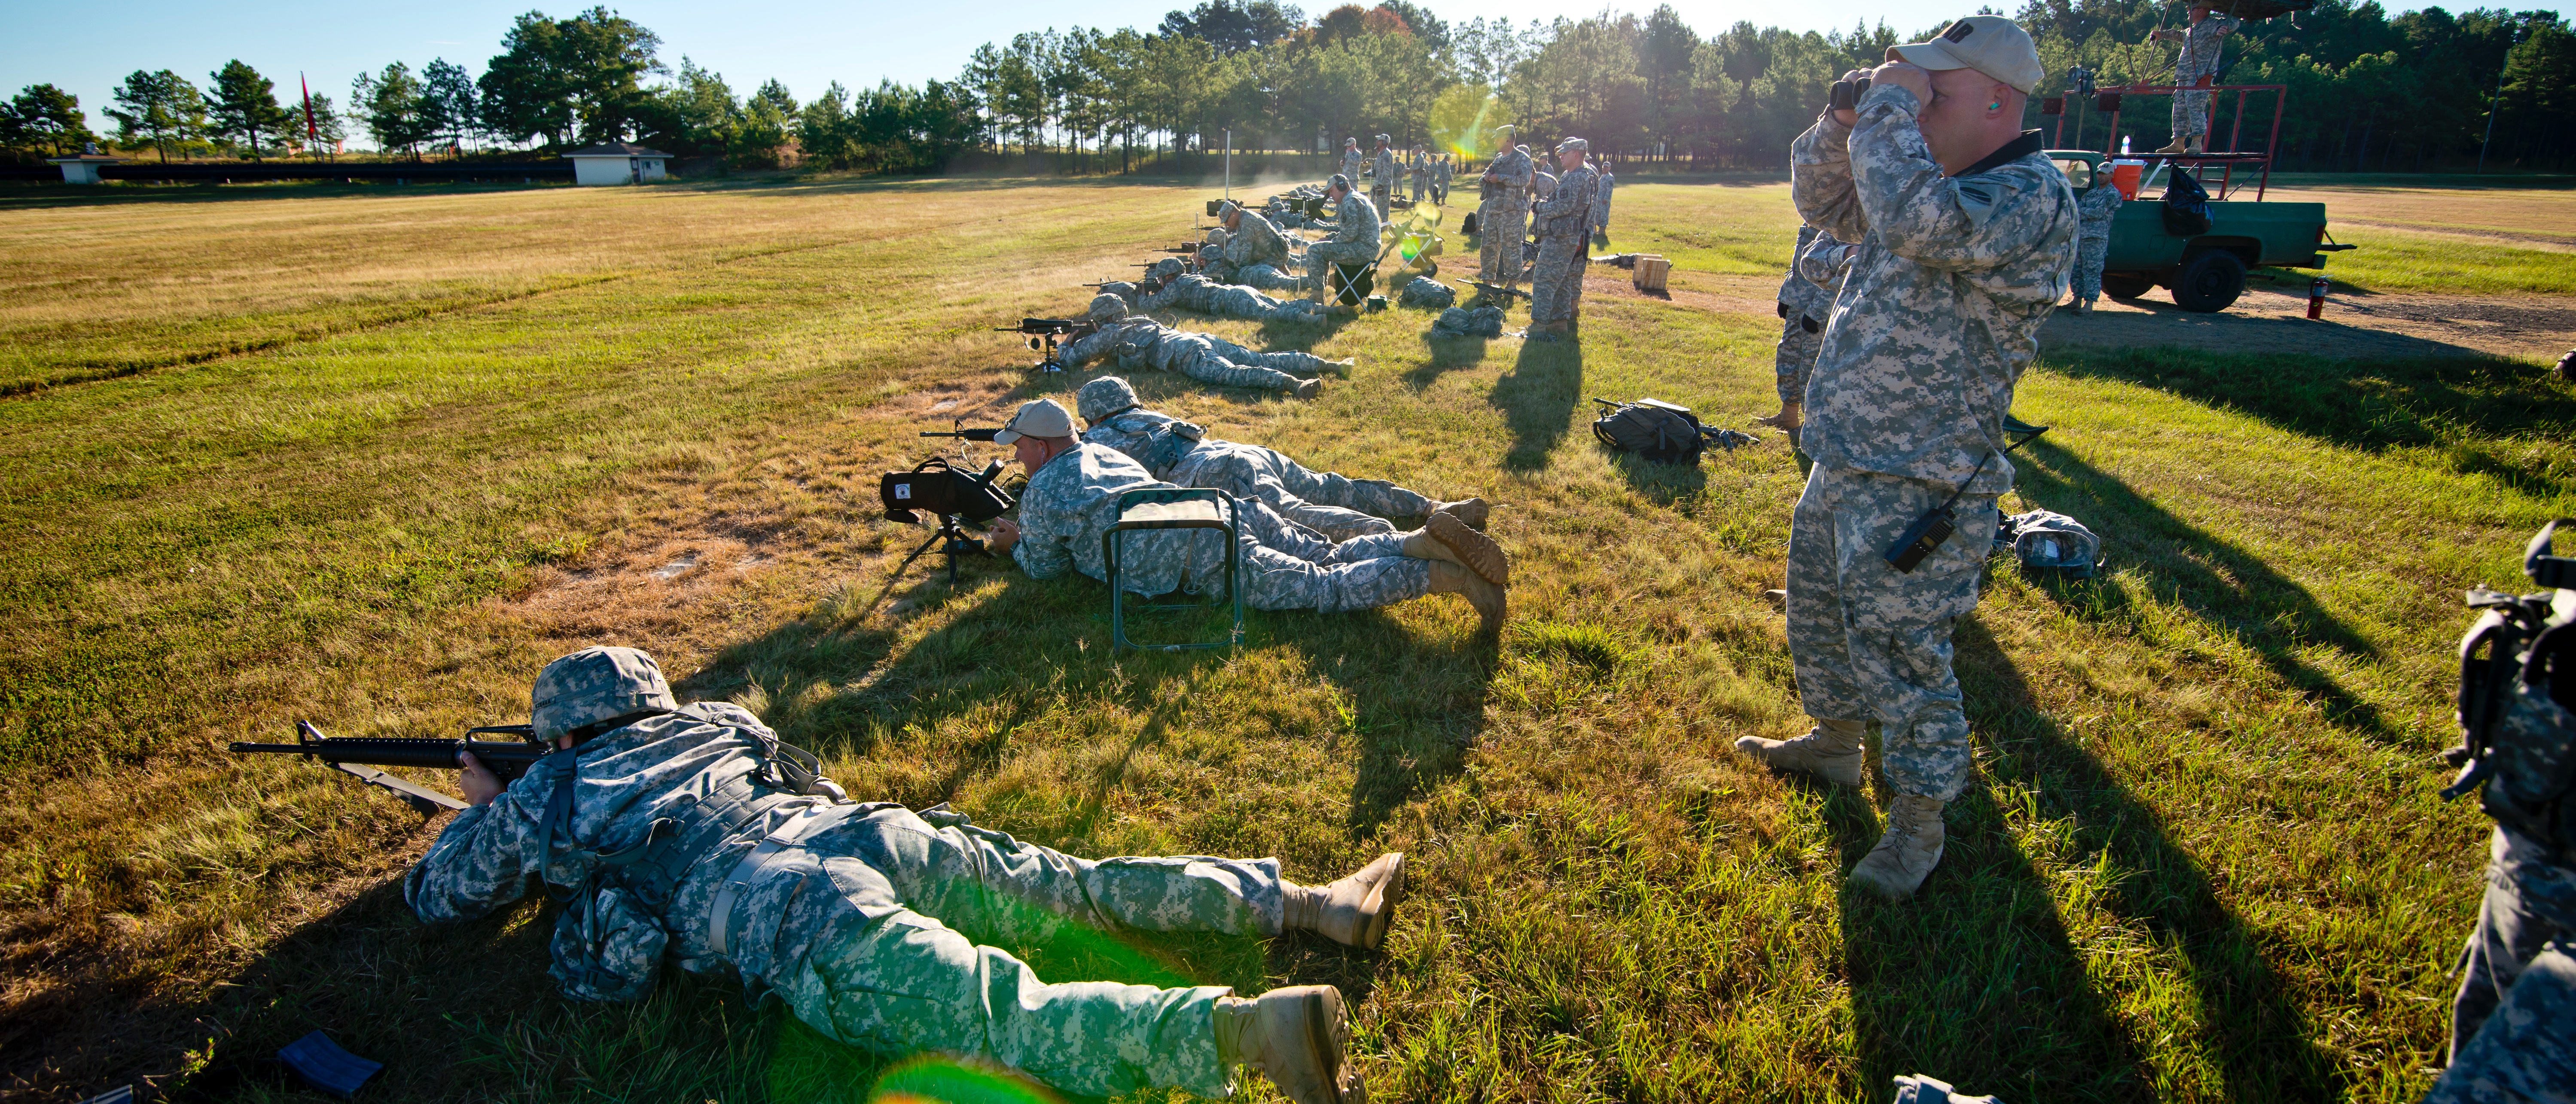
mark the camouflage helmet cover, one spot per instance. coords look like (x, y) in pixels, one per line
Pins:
(1102, 397)
(1167, 267)
(1338, 183)
(595, 684)
(1106, 306)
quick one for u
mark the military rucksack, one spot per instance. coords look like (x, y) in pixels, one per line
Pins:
(1660, 431)
(2050, 542)
(2517, 690)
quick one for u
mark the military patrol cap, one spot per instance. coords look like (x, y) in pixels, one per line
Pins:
(1106, 306)
(1036, 418)
(1989, 44)
(1103, 397)
(1226, 209)
(1338, 181)
(596, 684)
(1574, 144)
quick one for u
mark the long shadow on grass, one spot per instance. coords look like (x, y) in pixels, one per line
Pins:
(1976, 980)
(2228, 587)
(1445, 354)
(2462, 404)
(1538, 397)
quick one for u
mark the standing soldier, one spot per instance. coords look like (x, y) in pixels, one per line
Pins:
(1420, 172)
(1806, 301)
(1440, 173)
(2093, 241)
(1564, 223)
(2195, 68)
(1504, 194)
(1352, 161)
(1966, 233)
(1601, 204)
(1382, 172)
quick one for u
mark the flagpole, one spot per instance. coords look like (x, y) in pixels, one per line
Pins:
(312, 137)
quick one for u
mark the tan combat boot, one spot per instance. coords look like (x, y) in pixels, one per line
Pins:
(1491, 601)
(1446, 537)
(1791, 416)
(1307, 389)
(1907, 853)
(1832, 751)
(1342, 368)
(1298, 1037)
(1473, 511)
(2176, 147)
(1353, 911)
(2196, 147)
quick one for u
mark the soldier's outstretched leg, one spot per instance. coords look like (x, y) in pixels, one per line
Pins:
(1291, 361)
(1207, 367)
(1239, 470)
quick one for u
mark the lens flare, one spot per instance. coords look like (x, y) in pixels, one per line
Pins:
(931, 1079)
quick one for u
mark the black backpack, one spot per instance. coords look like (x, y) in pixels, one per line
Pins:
(1659, 431)
(2186, 206)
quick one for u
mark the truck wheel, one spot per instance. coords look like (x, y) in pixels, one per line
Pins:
(2209, 282)
(2124, 286)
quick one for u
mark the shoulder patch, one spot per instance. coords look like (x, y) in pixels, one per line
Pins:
(1978, 200)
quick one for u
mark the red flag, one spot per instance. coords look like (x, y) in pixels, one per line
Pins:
(310, 134)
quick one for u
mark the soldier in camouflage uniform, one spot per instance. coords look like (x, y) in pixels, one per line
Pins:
(1352, 159)
(1564, 224)
(2094, 209)
(1441, 171)
(1166, 287)
(1419, 171)
(1601, 204)
(1137, 341)
(1965, 233)
(1354, 239)
(1382, 174)
(1072, 500)
(1175, 451)
(1253, 253)
(1504, 194)
(690, 833)
(2197, 65)
(1805, 303)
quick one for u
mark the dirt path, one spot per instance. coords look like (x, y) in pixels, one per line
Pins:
(2266, 319)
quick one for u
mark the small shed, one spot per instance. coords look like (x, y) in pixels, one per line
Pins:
(84, 168)
(617, 163)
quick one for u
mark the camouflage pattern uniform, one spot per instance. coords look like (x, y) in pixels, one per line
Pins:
(1498, 222)
(1564, 247)
(1382, 182)
(1073, 499)
(878, 927)
(1137, 342)
(1419, 172)
(1195, 292)
(1175, 451)
(2510, 1038)
(1601, 202)
(1354, 240)
(1441, 171)
(1806, 301)
(1256, 255)
(2201, 47)
(1938, 317)
(2093, 238)
(1352, 162)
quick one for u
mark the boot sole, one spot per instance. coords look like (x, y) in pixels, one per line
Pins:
(1328, 1034)
(1477, 551)
(1474, 517)
(1390, 893)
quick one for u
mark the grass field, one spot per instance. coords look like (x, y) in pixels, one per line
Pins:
(372, 456)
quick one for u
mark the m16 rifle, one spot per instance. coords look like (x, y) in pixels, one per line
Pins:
(356, 755)
(1043, 333)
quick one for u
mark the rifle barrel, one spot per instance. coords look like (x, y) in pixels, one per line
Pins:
(506, 759)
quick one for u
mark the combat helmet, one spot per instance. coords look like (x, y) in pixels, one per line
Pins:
(1106, 306)
(1104, 398)
(1165, 269)
(596, 684)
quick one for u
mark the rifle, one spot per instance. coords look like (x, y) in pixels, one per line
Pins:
(1620, 260)
(355, 754)
(1043, 333)
(962, 433)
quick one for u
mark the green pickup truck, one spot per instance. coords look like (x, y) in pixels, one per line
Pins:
(2207, 271)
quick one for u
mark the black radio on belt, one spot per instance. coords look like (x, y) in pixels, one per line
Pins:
(1926, 534)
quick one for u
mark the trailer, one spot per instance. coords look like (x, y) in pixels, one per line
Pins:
(2205, 272)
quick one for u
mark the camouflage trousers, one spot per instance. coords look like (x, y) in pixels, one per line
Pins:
(1872, 643)
(1500, 230)
(1266, 278)
(1556, 290)
(1208, 366)
(2190, 112)
(1795, 359)
(2509, 1024)
(1288, 566)
(1290, 361)
(1378, 197)
(2092, 247)
(1418, 185)
(906, 958)
(1335, 505)
(1236, 301)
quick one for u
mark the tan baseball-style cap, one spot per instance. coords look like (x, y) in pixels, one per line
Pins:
(1037, 418)
(1989, 44)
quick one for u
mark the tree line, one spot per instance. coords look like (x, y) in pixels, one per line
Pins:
(2367, 90)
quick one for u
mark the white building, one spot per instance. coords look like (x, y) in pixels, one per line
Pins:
(617, 163)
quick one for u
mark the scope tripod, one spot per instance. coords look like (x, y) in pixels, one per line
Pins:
(951, 542)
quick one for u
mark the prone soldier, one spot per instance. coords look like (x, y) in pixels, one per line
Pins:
(690, 833)
(1166, 286)
(1072, 500)
(1968, 231)
(1137, 341)
(1175, 451)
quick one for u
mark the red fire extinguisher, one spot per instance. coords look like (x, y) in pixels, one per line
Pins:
(2317, 289)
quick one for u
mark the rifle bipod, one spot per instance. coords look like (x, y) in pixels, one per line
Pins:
(951, 542)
